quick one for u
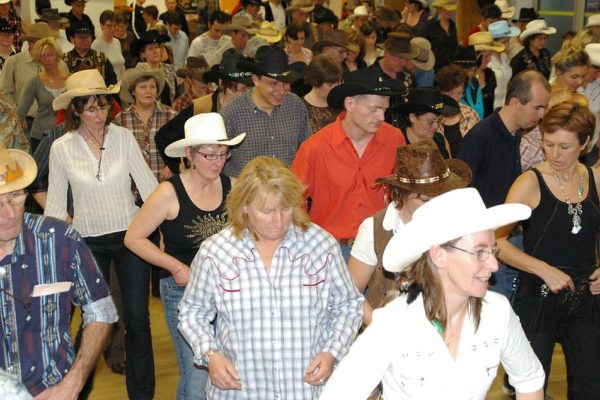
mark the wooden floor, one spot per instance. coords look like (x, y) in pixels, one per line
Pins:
(109, 386)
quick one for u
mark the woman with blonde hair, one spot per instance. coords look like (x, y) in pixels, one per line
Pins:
(571, 65)
(43, 89)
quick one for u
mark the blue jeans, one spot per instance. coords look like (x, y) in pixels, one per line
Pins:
(345, 251)
(505, 276)
(133, 275)
(193, 379)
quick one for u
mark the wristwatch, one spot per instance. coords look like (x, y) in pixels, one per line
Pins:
(206, 357)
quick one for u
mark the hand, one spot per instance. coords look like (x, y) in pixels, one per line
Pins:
(319, 369)
(165, 174)
(222, 373)
(595, 282)
(556, 280)
(62, 391)
(182, 276)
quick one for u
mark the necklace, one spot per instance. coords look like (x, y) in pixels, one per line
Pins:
(574, 210)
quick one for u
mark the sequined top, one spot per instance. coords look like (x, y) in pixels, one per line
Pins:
(184, 234)
(320, 116)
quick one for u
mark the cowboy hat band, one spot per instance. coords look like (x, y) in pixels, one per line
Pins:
(422, 181)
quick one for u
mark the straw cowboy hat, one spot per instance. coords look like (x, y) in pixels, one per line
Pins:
(420, 168)
(131, 75)
(507, 11)
(269, 33)
(302, 5)
(228, 69)
(88, 82)
(194, 68)
(446, 217)
(426, 59)
(241, 23)
(536, 27)
(37, 31)
(483, 41)
(429, 99)
(399, 44)
(17, 169)
(501, 29)
(207, 128)
(271, 61)
(364, 81)
(448, 5)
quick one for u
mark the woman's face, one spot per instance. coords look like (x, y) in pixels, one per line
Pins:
(48, 58)
(298, 43)
(425, 125)
(145, 92)
(562, 149)
(151, 53)
(207, 169)
(233, 92)
(121, 30)
(539, 42)
(93, 117)
(108, 29)
(457, 93)
(370, 40)
(572, 78)
(486, 56)
(462, 273)
(267, 219)
(323, 90)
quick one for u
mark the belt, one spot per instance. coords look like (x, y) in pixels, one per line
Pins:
(346, 242)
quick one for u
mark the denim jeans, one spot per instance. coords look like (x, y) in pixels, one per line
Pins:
(193, 379)
(505, 276)
(133, 275)
(346, 249)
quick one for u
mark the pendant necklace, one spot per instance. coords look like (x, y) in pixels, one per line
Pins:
(574, 210)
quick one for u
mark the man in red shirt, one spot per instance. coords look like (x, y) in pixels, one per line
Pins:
(339, 163)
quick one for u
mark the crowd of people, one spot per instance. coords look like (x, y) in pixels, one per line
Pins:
(351, 208)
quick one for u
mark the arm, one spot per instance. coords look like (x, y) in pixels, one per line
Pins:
(526, 191)
(56, 202)
(27, 98)
(7, 81)
(161, 205)
(537, 395)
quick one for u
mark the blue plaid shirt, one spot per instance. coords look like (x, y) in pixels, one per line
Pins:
(35, 334)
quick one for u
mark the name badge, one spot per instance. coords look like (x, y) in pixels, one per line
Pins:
(51, 288)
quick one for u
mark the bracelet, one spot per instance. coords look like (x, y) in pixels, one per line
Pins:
(206, 357)
(178, 269)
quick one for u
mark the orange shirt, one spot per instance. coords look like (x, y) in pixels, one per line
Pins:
(340, 183)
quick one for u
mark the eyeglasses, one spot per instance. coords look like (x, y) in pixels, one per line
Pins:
(95, 109)
(213, 157)
(15, 199)
(436, 121)
(482, 255)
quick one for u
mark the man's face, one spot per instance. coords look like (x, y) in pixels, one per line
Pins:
(271, 91)
(171, 5)
(109, 27)
(78, 8)
(530, 114)
(216, 30)
(12, 207)
(394, 63)
(82, 41)
(147, 18)
(240, 39)
(299, 16)
(174, 29)
(366, 112)
(338, 53)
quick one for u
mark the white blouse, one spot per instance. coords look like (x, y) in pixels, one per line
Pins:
(100, 206)
(503, 73)
(403, 349)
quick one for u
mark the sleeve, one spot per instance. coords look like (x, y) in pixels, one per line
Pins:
(138, 168)
(364, 244)
(7, 81)
(301, 167)
(27, 98)
(364, 366)
(197, 307)
(195, 50)
(56, 203)
(472, 152)
(170, 132)
(109, 73)
(521, 364)
(345, 307)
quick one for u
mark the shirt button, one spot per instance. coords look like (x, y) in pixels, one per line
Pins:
(32, 368)
(28, 318)
(97, 280)
(24, 266)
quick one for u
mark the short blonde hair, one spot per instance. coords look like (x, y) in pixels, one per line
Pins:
(261, 177)
(43, 44)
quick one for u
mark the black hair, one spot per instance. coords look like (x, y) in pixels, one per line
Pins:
(219, 16)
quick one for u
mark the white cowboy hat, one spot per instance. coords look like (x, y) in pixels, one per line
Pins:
(507, 11)
(142, 69)
(485, 41)
(535, 27)
(593, 20)
(446, 217)
(88, 82)
(593, 50)
(206, 128)
(17, 169)
(360, 11)
(269, 33)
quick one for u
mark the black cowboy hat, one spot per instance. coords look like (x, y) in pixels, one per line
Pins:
(147, 37)
(429, 99)
(322, 15)
(79, 27)
(365, 81)
(465, 57)
(228, 69)
(527, 15)
(5, 26)
(271, 61)
(70, 2)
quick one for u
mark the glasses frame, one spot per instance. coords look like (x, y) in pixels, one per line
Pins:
(16, 199)
(213, 157)
(482, 255)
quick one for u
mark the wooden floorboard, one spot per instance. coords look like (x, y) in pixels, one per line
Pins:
(109, 386)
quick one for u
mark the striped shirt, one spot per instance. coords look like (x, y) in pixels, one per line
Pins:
(35, 332)
(270, 324)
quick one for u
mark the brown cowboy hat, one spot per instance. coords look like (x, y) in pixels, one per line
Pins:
(194, 68)
(334, 38)
(420, 168)
(399, 44)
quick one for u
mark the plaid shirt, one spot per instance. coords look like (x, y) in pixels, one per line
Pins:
(11, 132)
(270, 324)
(185, 100)
(35, 336)
(531, 149)
(278, 135)
(144, 133)
(15, 22)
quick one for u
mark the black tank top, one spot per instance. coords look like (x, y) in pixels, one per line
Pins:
(547, 234)
(184, 234)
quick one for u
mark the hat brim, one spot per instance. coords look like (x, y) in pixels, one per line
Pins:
(548, 31)
(31, 37)
(449, 107)
(64, 99)
(495, 46)
(410, 242)
(289, 76)
(410, 55)
(426, 65)
(177, 149)
(460, 177)
(214, 75)
(338, 94)
(271, 39)
(512, 32)
(134, 75)
(231, 27)
(195, 75)
(27, 165)
(290, 10)
(509, 13)
(447, 7)
(318, 47)
(138, 44)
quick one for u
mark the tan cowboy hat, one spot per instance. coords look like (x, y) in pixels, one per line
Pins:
(37, 31)
(399, 44)
(131, 75)
(483, 41)
(88, 82)
(535, 27)
(206, 128)
(426, 59)
(241, 23)
(17, 169)
(302, 5)
(194, 68)
(507, 11)
(448, 5)
(269, 33)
